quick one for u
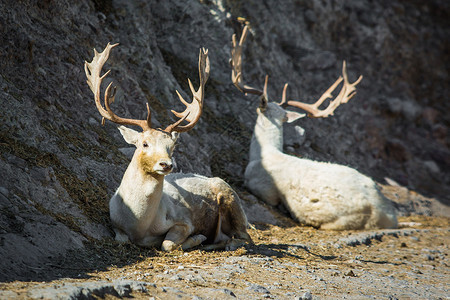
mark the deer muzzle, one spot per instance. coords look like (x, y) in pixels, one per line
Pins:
(166, 166)
(163, 166)
(159, 164)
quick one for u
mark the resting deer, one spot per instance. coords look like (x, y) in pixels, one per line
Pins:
(323, 195)
(152, 208)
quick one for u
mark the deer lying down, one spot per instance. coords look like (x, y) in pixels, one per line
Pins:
(323, 195)
(153, 208)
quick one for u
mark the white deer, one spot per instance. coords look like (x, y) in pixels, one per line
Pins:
(323, 195)
(152, 208)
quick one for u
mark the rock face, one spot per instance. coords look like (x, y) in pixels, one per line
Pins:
(59, 166)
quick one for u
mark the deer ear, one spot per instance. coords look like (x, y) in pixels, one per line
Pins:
(292, 116)
(174, 135)
(129, 135)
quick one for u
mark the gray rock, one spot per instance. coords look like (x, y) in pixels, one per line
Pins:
(228, 292)
(306, 296)
(366, 238)
(259, 289)
(88, 290)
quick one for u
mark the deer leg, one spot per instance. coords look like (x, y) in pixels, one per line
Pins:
(176, 236)
(355, 221)
(228, 245)
(193, 241)
(150, 241)
(121, 237)
(234, 244)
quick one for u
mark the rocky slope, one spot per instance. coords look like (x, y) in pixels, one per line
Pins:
(59, 165)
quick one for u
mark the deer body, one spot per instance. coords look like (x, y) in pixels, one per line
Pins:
(152, 207)
(323, 195)
(179, 209)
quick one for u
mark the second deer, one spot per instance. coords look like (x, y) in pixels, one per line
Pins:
(323, 195)
(153, 208)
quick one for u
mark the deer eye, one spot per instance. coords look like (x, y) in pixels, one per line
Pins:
(145, 144)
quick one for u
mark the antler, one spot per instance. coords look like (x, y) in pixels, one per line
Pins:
(236, 65)
(94, 80)
(191, 114)
(347, 91)
(194, 109)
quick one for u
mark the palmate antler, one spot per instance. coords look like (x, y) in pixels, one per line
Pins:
(194, 109)
(236, 65)
(191, 114)
(94, 80)
(347, 91)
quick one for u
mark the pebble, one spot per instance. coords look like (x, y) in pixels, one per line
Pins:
(259, 289)
(176, 277)
(305, 296)
(4, 191)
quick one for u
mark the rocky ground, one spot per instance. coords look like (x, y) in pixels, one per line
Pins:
(286, 261)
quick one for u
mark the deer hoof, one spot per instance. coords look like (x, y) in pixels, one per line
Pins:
(169, 246)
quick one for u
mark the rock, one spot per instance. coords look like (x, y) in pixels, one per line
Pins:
(128, 152)
(258, 212)
(3, 192)
(408, 108)
(397, 151)
(89, 290)
(366, 238)
(306, 296)
(319, 61)
(431, 166)
(259, 289)
(228, 292)
(430, 115)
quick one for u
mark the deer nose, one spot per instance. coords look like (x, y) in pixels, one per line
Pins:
(167, 166)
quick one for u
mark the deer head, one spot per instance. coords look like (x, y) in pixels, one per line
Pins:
(153, 146)
(276, 111)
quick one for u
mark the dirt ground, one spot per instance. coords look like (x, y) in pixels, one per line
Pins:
(285, 262)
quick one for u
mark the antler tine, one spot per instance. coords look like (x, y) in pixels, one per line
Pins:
(264, 96)
(347, 91)
(94, 80)
(236, 64)
(283, 96)
(351, 87)
(194, 109)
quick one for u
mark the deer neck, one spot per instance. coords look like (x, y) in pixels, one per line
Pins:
(141, 191)
(267, 138)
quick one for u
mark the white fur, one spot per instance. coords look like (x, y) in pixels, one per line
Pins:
(323, 195)
(153, 210)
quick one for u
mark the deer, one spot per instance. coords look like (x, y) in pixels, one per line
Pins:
(323, 195)
(153, 207)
